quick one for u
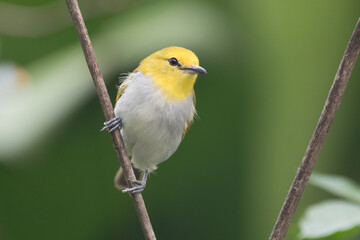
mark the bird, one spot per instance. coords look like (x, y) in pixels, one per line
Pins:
(154, 109)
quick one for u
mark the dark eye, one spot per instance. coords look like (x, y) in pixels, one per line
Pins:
(173, 61)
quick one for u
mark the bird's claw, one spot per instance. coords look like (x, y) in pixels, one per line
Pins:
(137, 182)
(112, 124)
(141, 184)
(136, 189)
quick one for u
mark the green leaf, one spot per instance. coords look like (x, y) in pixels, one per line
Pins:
(337, 185)
(330, 218)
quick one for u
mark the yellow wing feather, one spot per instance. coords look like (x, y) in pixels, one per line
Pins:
(191, 120)
(122, 88)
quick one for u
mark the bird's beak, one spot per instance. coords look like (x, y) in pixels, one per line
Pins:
(195, 69)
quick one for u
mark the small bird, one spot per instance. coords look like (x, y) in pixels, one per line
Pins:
(155, 107)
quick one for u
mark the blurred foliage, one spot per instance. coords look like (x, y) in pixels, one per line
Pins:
(333, 219)
(270, 66)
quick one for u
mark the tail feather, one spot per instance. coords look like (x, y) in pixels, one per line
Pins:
(120, 180)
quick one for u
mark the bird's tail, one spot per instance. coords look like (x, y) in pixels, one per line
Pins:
(120, 180)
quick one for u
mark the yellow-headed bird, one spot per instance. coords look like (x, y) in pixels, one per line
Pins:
(155, 107)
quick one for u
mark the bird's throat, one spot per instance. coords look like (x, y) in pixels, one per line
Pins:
(175, 87)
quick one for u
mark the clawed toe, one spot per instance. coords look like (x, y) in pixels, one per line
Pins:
(141, 185)
(137, 182)
(136, 189)
(112, 124)
(139, 188)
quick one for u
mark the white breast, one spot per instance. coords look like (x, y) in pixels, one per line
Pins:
(152, 126)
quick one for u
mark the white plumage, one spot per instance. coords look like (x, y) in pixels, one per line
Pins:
(152, 125)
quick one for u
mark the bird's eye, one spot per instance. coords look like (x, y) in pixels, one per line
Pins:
(173, 61)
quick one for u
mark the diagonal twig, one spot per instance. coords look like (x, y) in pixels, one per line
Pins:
(313, 150)
(109, 114)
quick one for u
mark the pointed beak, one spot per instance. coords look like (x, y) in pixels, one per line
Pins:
(195, 69)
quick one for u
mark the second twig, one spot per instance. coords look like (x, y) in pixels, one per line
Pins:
(313, 150)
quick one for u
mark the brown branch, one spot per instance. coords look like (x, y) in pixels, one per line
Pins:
(313, 150)
(109, 114)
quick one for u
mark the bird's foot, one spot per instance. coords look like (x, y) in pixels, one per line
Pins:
(112, 124)
(136, 189)
(141, 185)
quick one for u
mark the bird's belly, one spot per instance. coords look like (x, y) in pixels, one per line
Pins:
(149, 146)
(151, 136)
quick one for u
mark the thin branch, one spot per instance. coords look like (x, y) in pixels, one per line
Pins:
(109, 114)
(313, 150)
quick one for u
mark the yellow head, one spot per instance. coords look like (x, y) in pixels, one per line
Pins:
(174, 70)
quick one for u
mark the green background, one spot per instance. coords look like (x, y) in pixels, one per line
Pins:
(270, 66)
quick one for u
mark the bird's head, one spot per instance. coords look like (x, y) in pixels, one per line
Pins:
(174, 70)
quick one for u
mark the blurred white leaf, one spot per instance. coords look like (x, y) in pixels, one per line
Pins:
(329, 217)
(337, 185)
(12, 78)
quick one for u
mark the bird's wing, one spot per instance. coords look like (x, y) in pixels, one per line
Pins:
(122, 87)
(190, 120)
